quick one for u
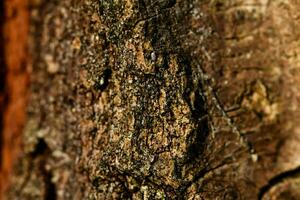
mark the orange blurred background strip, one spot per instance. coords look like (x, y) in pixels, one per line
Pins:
(14, 47)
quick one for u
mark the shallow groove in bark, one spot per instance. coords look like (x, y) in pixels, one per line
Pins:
(42, 152)
(276, 180)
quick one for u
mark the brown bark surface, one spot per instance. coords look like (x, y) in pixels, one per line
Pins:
(162, 99)
(13, 83)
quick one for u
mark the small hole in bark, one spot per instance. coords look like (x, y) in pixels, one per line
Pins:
(40, 148)
(103, 81)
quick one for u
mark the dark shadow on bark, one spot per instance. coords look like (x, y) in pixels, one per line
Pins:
(276, 180)
(42, 150)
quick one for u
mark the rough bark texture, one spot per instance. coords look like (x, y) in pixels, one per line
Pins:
(162, 99)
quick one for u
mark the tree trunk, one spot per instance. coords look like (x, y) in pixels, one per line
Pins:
(13, 83)
(161, 99)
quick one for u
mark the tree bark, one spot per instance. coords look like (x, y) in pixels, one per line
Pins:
(13, 83)
(161, 99)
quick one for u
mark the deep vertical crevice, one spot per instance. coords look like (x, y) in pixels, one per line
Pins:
(50, 188)
(42, 153)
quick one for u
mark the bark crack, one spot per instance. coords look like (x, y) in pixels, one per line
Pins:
(276, 180)
(38, 159)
